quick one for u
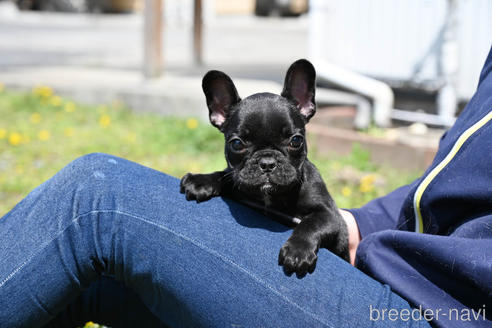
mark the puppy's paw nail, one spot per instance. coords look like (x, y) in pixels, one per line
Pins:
(281, 255)
(189, 195)
(298, 256)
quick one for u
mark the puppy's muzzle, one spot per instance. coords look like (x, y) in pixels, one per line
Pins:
(267, 164)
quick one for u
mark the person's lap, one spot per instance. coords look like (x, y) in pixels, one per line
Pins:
(209, 264)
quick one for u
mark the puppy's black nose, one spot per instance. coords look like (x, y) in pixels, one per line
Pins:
(268, 164)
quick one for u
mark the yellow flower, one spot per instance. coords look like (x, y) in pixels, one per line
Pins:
(2, 87)
(192, 123)
(368, 179)
(35, 118)
(56, 101)
(43, 91)
(104, 120)
(346, 191)
(15, 139)
(367, 183)
(3, 133)
(366, 188)
(44, 135)
(69, 107)
(69, 132)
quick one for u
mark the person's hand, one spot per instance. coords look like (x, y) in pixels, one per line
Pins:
(353, 232)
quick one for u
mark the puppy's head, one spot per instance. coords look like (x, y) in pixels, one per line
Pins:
(264, 133)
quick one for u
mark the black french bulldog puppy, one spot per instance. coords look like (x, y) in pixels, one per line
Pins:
(266, 162)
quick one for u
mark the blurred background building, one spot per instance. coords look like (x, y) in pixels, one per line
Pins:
(391, 63)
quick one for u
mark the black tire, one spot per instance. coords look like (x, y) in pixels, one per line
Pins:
(264, 7)
(69, 6)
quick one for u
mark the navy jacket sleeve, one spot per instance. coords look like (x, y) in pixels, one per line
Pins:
(431, 241)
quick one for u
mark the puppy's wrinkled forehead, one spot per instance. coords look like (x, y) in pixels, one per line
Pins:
(264, 115)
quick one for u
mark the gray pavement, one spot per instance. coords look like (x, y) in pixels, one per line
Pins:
(115, 41)
(98, 58)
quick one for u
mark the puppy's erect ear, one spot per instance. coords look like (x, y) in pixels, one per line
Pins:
(299, 86)
(221, 95)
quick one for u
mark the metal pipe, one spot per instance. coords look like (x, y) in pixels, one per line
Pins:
(362, 105)
(447, 65)
(431, 119)
(380, 93)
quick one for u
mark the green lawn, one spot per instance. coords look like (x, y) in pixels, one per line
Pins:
(40, 133)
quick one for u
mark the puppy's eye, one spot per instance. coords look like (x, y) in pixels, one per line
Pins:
(296, 142)
(237, 144)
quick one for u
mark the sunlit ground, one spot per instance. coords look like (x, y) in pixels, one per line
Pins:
(40, 132)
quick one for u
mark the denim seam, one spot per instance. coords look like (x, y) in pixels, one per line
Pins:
(207, 249)
(227, 260)
(13, 273)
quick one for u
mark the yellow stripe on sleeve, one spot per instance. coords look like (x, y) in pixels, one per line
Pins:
(436, 170)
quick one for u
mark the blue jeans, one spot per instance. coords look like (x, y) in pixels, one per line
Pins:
(111, 241)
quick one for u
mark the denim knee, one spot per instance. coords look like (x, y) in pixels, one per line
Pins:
(91, 169)
(89, 165)
(103, 176)
(91, 159)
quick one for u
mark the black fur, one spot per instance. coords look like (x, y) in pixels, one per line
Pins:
(266, 156)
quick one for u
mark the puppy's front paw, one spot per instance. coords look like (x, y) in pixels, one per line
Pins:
(199, 187)
(298, 255)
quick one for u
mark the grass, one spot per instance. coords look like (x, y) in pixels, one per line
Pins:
(41, 132)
